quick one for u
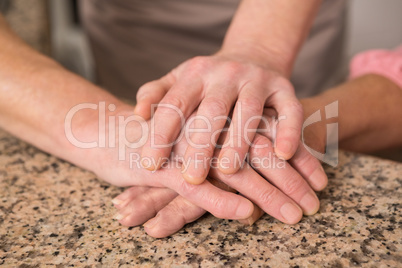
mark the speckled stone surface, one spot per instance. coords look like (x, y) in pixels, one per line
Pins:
(55, 214)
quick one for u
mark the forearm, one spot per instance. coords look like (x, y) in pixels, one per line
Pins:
(270, 32)
(369, 113)
(36, 94)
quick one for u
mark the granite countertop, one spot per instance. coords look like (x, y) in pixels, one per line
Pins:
(55, 214)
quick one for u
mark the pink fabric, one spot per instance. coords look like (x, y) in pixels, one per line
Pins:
(387, 63)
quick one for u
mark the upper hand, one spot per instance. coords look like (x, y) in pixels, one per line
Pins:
(216, 85)
(166, 212)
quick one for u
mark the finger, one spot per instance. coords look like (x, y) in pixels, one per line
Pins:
(246, 117)
(144, 206)
(218, 202)
(152, 93)
(269, 198)
(257, 213)
(290, 116)
(173, 217)
(303, 161)
(179, 212)
(211, 118)
(310, 168)
(124, 198)
(171, 113)
(281, 174)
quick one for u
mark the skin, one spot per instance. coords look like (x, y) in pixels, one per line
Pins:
(250, 71)
(37, 94)
(369, 120)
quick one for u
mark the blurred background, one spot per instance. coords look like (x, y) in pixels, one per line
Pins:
(53, 27)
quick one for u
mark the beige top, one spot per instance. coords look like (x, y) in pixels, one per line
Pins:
(136, 41)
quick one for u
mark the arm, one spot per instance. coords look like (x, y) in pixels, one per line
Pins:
(36, 93)
(270, 32)
(369, 113)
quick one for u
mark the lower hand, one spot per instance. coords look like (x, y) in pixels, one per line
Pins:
(137, 205)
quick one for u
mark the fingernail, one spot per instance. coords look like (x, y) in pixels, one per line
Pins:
(117, 202)
(310, 203)
(283, 151)
(291, 213)
(193, 180)
(152, 222)
(194, 174)
(119, 216)
(319, 178)
(244, 210)
(249, 221)
(227, 161)
(147, 164)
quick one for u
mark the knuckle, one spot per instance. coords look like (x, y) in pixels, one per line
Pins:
(215, 105)
(228, 179)
(290, 132)
(259, 75)
(252, 104)
(161, 138)
(240, 143)
(186, 188)
(175, 101)
(179, 212)
(305, 161)
(283, 84)
(261, 147)
(233, 67)
(292, 185)
(262, 153)
(219, 207)
(176, 209)
(204, 153)
(148, 199)
(198, 63)
(144, 90)
(260, 140)
(142, 207)
(267, 197)
(294, 105)
(169, 78)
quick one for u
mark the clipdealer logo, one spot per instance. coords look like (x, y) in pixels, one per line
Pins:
(112, 130)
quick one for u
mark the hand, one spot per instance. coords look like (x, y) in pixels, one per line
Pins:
(166, 212)
(137, 205)
(215, 84)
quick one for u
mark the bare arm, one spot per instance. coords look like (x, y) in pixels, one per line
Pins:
(270, 32)
(36, 93)
(369, 113)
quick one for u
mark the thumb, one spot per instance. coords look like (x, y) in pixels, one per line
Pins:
(152, 93)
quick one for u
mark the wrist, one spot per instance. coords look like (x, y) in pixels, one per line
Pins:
(92, 137)
(356, 117)
(267, 58)
(79, 124)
